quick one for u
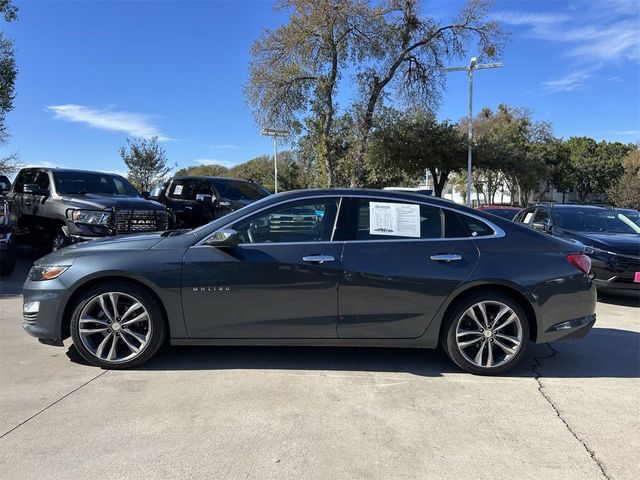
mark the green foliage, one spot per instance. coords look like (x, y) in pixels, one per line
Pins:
(408, 144)
(209, 170)
(596, 166)
(146, 162)
(8, 72)
(625, 192)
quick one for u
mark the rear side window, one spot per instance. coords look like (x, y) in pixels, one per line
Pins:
(474, 226)
(373, 219)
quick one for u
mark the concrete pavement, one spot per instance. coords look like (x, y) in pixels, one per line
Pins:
(567, 411)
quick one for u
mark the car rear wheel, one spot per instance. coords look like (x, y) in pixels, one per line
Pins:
(486, 333)
(117, 325)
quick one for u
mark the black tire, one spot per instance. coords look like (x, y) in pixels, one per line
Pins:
(58, 239)
(156, 330)
(494, 300)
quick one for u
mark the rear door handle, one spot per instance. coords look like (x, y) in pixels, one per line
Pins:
(318, 258)
(446, 257)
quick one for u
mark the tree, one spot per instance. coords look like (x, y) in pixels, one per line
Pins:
(8, 72)
(626, 191)
(414, 142)
(296, 68)
(209, 170)
(408, 52)
(597, 166)
(146, 161)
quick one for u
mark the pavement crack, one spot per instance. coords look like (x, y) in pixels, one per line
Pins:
(538, 376)
(53, 403)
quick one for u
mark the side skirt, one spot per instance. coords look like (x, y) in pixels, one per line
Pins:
(306, 342)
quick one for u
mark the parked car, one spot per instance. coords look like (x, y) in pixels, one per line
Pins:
(504, 211)
(195, 201)
(610, 238)
(7, 245)
(54, 207)
(438, 274)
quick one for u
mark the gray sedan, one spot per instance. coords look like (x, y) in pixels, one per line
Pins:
(319, 267)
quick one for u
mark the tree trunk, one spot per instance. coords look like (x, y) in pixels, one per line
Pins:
(439, 180)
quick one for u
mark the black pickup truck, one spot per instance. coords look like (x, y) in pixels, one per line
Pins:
(195, 201)
(52, 207)
(7, 245)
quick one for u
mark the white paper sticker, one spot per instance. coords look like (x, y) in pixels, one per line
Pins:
(177, 190)
(527, 217)
(396, 219)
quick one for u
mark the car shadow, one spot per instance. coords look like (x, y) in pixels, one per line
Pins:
(11, 285)
(604, 353)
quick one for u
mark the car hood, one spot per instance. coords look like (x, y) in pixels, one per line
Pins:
(96, 201)
(626, 244)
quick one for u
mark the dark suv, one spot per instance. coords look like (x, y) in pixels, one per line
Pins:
(55, 207)
(195, 201)
(610, 238)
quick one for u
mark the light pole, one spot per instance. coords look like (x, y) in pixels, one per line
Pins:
(473, 65)
(275, 134)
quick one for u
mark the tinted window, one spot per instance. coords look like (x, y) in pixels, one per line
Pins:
(396, 220)
(594, 220)
(525, 216)
(187, 188)
(541, 215)
(156, 192)
(6, 184)
(24, 178)
(302, 221)
(475, 227)
(42, 180)
(68, 183)
(239, 189)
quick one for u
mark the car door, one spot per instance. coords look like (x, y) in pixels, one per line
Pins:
(280, 282)
(401, 260)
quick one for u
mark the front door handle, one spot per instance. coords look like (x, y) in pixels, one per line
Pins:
(446, 257)
(318, 258)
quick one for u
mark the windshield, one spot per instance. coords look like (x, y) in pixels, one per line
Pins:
(239, 190)
(68, 183)
(593, 220)
(505, 213)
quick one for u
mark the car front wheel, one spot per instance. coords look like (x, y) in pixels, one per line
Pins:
(486, 333)
(117, 325)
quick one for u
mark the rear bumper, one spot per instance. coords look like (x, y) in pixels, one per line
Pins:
(570, 329)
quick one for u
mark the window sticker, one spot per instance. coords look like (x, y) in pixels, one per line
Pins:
(177, 190)
(527, 217)
(396, 219)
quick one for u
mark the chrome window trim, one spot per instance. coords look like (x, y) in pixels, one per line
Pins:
(498, 232)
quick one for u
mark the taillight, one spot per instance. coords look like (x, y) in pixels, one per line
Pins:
(580, 261)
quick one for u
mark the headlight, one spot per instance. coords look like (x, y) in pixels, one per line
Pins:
(46, 272)
(89, 216)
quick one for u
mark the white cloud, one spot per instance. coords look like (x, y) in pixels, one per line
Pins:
(572, 81)
(625, 132)
(134, 124)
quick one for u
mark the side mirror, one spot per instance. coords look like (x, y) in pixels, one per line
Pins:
(227, 237)
(34, 189)
(145, 195)
(544, 226)
(204, 198)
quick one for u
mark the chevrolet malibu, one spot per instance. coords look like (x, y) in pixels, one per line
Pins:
(319, 267)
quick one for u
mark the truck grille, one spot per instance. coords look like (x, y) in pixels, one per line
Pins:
(623, 263)
(130, 221)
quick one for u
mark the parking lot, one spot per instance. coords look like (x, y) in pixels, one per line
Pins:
(569, 410)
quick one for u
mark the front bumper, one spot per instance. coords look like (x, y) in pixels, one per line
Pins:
(607, 277)
(46, 322)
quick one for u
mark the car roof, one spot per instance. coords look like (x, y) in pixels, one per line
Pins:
(68, 170)
(210, 177)
(498, 207)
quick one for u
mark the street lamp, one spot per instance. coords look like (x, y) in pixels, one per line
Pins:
(473, 65)
(275, 134)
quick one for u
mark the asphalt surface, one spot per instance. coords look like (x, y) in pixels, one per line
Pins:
(568, 411)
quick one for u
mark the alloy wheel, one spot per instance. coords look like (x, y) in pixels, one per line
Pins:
(489, 334)
(114, 327)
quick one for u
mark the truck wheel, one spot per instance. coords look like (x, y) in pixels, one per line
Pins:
(59, 240)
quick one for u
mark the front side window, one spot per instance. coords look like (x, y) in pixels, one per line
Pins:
(231, 189)
(541, 216)
(310, 220)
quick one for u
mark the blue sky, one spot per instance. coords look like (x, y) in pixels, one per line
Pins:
(93, 73)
